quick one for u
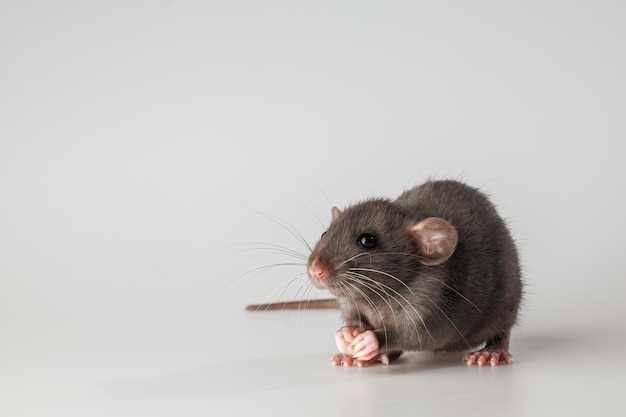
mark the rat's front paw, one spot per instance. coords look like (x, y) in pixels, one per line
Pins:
(358, 347)
(348, 361)
(364, 347)
(342, 359)
(345, 337)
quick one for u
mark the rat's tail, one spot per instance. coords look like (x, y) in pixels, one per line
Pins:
(293, 305)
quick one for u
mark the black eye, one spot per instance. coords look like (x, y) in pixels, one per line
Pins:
(366, 241)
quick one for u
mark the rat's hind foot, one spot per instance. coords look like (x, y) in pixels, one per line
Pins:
(495, 352)
(349, 361)
(489, 356)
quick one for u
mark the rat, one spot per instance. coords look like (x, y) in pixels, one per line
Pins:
(434, 270)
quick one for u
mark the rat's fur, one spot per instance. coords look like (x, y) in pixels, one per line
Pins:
(470, 299)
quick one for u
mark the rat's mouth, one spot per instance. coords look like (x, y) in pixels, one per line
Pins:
(320, 282)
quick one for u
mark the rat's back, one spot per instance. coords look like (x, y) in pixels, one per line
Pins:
(485, 265)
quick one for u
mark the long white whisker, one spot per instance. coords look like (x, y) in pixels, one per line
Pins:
(404, 284)
(450, 320)
(370, 302)
(284, 290)
(402, 305)
(351, 276)
(263, 246)
(408, 303)
(285, 225)
(248, 275)
(291, 281)
(457, 293)
(346, 293)
(385, 274)
(289, 228)
(352, 258)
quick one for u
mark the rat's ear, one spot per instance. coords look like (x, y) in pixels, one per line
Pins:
(335, 213)
(435, 240)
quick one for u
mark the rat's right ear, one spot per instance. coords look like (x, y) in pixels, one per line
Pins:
(335, 213)
(434, 239)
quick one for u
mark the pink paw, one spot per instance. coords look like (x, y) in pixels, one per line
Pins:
(349, 361)
(359, 343)
(365, 346)
(344, 338)
(489, 356)
(358, 347)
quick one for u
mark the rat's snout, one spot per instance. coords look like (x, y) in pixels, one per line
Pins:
(318, 272)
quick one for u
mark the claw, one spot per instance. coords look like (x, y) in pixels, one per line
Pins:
(493, 357)
(348, 361)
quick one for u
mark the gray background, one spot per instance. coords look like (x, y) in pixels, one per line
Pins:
(139, 140)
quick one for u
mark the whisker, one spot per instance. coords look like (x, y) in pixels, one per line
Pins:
(371, 303)
(259, 246)
(289, 283)
(449, 319)
(279, 248)
(306, 290)
(319, 220)
(377, 271)
(375, 255)
(457, 293)
(353, 258)
(270, 252)
(405, 285)
(408, 303)
(351, 277)
(284, 290)
(248, 275)
(286, 226)
(348, 294)
(403, 306)
(320, 191)
(307, 293)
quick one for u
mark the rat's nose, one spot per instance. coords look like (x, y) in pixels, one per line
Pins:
(317, 270)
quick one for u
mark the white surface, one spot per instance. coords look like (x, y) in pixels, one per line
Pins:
(136, 137)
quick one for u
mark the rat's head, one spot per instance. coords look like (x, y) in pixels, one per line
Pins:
(376, 246)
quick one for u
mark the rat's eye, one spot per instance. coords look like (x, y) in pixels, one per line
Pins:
(366, 241)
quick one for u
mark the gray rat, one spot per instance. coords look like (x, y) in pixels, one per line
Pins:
(436, 269)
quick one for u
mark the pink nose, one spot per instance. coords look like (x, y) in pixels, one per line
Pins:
(317, 271)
